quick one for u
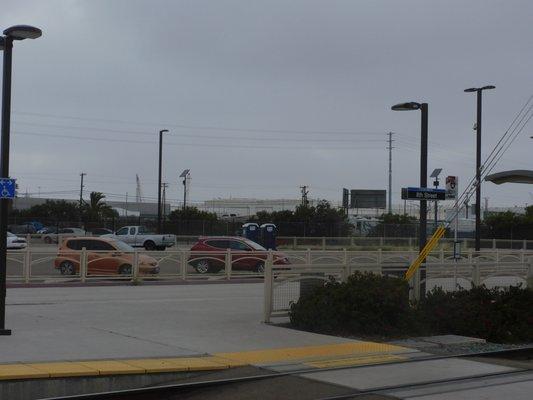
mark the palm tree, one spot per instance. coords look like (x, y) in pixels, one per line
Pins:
(97, 209)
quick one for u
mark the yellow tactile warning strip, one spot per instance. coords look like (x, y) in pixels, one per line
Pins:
(353, 361)
(112, 367)
(309, 353)
(332, 355)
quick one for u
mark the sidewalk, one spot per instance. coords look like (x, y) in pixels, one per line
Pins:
(80, 323)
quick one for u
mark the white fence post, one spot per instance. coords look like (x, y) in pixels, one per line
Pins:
(323, 243)
(475, 273)
(26, 267)
(227, 264)
(529, 278)
(493, 243)
(346, 267)
(268, 288)
(83, 264)
(294, 243)
(184, 261)
(135, 274)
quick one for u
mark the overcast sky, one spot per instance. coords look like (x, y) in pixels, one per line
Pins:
(261, 97)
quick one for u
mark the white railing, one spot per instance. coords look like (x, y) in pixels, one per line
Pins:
(284, 284)
(348, 242)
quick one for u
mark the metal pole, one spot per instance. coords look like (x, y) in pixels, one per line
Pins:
(390, 172)
(184, 192)
(436, 207)
(159, 181)
(4, 173)
(81, 190)
(423, 184)
(478, 172)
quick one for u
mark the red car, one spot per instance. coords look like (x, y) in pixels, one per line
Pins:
(245, 254)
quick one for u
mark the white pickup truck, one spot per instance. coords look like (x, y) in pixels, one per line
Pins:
(138, 236)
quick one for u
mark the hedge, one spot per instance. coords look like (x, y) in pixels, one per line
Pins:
(370, 304)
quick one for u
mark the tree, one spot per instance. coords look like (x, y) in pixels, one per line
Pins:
(191, 214)
(319, 220)
(97, 209)
(51, 212)
(395, 225)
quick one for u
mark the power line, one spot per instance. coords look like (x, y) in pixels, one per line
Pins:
(219, 128)
(111, 140)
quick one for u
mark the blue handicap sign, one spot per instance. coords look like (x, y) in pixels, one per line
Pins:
(7, 188)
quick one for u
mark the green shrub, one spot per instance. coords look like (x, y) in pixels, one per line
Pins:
(366, 303)
(498, 315)
(369, 304)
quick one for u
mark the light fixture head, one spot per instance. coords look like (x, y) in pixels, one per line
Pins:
(409, 106)
(21, 32)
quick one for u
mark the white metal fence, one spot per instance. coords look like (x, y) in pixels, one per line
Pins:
(284, 284)
(336, 243)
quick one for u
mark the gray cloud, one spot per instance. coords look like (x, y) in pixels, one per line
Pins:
(325, 66)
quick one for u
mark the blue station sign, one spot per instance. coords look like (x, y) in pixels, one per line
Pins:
(416, 193)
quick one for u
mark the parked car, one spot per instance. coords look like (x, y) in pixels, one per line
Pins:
(105, 256)
(47, 229)
(246, 254)
(15, 242)
(65, 232)
(23, 229)
(138, 236)
(101, 232)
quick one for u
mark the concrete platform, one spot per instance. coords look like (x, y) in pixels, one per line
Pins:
(81, 323)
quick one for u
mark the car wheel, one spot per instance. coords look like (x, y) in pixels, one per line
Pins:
(202, 266)
(67, 268)
(260, 267)
(125, 270)
(149, 245)
(48, 240)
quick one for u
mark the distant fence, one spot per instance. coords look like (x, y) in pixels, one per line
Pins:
(349, 243)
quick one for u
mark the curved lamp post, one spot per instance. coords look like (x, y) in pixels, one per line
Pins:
(422, 234)
(11, 34)
(478, 161)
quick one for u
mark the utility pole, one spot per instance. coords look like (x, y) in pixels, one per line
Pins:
(159, 180)
(81, 189)
(390, 170)
(305, 192)
(164, 201)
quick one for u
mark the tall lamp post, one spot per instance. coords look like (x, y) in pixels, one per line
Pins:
(159, 180)
(478, 161)
(422, 235)
(17, 32)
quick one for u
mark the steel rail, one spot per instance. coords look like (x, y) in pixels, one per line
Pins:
(188, 386)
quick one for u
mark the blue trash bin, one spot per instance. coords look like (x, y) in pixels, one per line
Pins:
(268, 236)
(250, 230)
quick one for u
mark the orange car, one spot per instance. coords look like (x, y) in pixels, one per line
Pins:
(105, 256)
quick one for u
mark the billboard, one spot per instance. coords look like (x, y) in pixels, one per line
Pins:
(360, 198)
(451, 187)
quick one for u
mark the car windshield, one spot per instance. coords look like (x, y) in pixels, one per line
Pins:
(9, 234)
(253, 245)
(122, 246)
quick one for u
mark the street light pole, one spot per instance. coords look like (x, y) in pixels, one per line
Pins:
(422, 234)
(17, 32)
(478, 161)
(159, 180)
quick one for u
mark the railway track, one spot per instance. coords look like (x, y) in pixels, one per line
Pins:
(175, 390)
